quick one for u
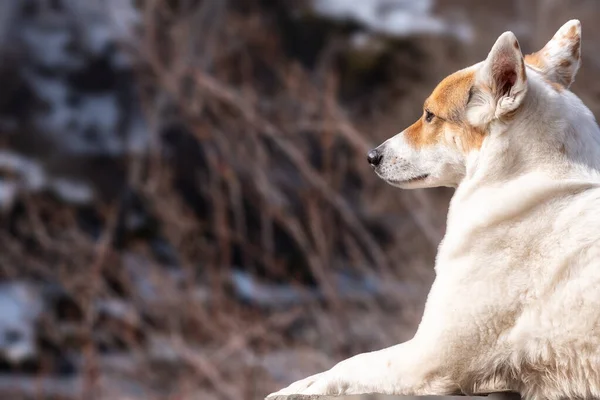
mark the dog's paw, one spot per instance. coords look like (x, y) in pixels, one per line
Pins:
(309, 388)
(356, 375)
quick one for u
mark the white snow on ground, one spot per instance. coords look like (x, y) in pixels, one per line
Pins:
(20, 307)
(30, 173)
(393, 17)
(65, 42)
(27, 175)
(124, 19)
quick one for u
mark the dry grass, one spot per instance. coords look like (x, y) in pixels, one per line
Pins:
(254, 164)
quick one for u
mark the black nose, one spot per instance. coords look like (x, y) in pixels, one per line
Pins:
(374, 157)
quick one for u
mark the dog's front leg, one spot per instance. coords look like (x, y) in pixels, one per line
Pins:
(402, 369)
(454, 349)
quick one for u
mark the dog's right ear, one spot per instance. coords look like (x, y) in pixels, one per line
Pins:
(560, 58)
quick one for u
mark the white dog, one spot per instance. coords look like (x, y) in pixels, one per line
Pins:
(515, 305)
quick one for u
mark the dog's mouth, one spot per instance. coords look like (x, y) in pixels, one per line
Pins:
(411, 180)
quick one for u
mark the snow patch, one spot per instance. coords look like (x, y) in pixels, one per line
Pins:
(393, 17)
(20, 307)
(71, 191)
(28, 176)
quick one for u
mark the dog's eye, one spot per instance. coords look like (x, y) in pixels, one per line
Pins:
(428, 115)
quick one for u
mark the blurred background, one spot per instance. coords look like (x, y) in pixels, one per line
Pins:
(186, 208)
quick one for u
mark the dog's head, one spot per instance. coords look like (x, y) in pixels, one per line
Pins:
(466, 106)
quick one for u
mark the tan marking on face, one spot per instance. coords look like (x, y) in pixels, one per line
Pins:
(447, 102)
(467, 138)
(451, 94)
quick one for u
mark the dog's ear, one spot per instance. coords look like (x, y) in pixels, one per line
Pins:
(560, 58)
(501, 82)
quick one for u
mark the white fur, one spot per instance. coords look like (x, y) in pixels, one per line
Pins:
(515, 305)
(443, 164)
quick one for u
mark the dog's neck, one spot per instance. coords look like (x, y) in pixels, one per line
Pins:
(551, 149)
(554, 135)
